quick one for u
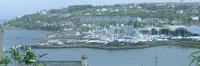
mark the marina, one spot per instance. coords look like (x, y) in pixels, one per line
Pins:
(167, 54)
(125, 37)
(100, 33)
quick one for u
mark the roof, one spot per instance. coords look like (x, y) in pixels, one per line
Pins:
(193, 29)
(62, 63)
(56, 63)
(171, 28)
(149, 28)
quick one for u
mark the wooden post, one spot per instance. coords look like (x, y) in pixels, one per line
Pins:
(156, 61)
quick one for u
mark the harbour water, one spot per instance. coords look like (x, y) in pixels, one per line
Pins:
(21, 37)
(167, 55)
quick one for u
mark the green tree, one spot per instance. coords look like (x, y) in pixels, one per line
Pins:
(195, 58)
(134, 23)
(29, 58)
(15, 55)
(4, 61)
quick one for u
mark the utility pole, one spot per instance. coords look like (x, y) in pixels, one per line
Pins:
(1, 40)
(156, 61)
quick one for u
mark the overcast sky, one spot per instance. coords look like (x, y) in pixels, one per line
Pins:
(13, 8)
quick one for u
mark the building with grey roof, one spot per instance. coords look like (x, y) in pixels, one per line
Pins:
(62, 63)
(106, 18)
(83, 62)
(173, 30)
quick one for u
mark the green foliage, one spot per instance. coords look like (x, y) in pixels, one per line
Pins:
(15, 54)
(134, 23)
(79, 7)
(5, 60)
(28, 57)
(195, 58)
(148, 10)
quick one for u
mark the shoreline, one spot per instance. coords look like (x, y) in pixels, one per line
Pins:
(185, 44)
(28, 29)
(182, 43)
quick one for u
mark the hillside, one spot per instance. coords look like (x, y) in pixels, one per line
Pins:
(143, 14)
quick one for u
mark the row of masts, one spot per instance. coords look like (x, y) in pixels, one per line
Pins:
(133, 27)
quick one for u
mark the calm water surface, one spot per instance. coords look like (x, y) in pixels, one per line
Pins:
(167, 56)
(22, 37)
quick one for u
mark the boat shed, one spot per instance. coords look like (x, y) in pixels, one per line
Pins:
(173, 31)
(187, 31)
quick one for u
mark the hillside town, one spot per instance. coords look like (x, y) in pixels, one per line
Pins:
(131, 24)
(100, 33)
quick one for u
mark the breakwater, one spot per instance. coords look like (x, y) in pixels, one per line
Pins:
(182, 43)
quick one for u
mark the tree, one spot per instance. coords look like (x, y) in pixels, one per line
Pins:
(27, 57)
(134, 23)
(5, 60)
(15, 55)
(195, 58)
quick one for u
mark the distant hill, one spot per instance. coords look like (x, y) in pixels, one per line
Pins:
(71, 17)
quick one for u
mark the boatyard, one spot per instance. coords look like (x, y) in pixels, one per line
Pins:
(100, 33)
(125, 37)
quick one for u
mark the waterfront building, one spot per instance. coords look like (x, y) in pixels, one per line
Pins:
(172, 31)
(83, 62)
